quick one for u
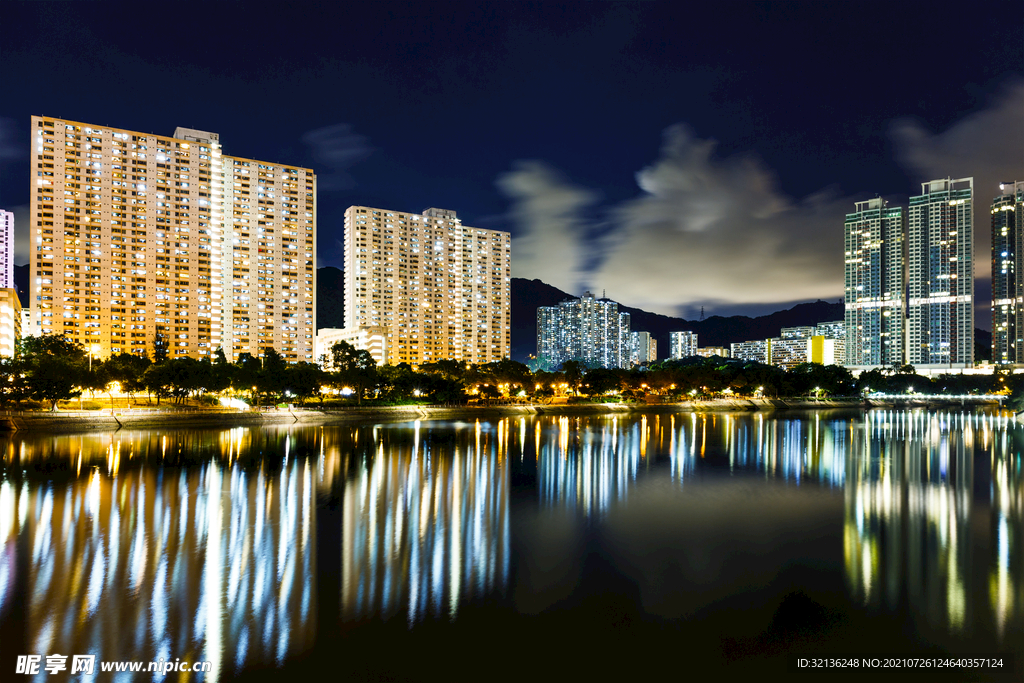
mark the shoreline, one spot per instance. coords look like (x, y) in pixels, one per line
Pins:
(104, 421)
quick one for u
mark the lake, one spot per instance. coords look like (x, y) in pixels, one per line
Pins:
(540, 547)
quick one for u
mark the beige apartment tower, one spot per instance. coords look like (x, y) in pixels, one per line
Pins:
(440, 289)
(162, 245)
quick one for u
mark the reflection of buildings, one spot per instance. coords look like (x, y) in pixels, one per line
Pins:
(908, 535)
(425, 524)
(215, 562)
(585, 468)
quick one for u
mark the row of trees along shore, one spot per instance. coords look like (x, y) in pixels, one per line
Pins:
(52, 368)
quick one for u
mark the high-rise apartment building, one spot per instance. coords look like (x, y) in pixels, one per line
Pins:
(440, 289)
(1008, 274)
(940, 279)
(682, 344)
(587, 329)
(6, 249)
(163, 245)
(643, 348)
(875, 281)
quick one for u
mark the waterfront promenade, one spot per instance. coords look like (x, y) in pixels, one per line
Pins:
(187, 417)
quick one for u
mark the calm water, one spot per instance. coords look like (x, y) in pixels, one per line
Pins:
(548, 547)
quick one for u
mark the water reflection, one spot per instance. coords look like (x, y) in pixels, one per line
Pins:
(912, 516)
(426, 522)
(132, 559)
(204, 545)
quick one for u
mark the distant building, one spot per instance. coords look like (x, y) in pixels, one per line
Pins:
(1008, 274)
(874, 281)
(372, 339)
(758, 350)
(587, 329)
(6, 249)
(643, 348)
(804, 332)
(821, 343)
(682, 344)
(940, 280)
(709, 351)
(788, 352)
(831, 330)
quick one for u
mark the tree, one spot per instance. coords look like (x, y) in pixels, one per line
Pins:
(304, 380)
(354, 367)
(54, 366)
(128, 370)
(573, 371)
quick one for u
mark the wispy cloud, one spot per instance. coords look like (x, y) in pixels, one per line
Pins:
(549, 243)
(337, 148)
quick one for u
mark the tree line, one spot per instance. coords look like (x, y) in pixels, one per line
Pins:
(52, 368)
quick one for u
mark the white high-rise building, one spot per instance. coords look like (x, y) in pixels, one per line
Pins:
(875, 297)
(1007, 219)
(940, 239)
(682, 344)
(6, 249)
(587, 329)
(643, 348)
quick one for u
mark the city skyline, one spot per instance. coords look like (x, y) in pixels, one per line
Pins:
(761, 167)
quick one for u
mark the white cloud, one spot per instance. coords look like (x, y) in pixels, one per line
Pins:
(709, 231)
(549, 244)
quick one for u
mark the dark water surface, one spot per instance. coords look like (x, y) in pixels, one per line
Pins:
(526, 548)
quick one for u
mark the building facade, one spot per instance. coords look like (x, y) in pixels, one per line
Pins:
(1007, 213)
(940, 280)
(372, 339)
(643, 348)
(6, 249)
(440, 289)
(682, 344)
(10, 321)
(710, 351)
(164, 246)
(874, 284)
(586, 329)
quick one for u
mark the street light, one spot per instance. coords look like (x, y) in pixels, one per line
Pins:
(94, 349)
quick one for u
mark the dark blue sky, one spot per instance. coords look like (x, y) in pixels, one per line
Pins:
(430, 104)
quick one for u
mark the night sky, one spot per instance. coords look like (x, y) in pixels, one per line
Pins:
(676, 155)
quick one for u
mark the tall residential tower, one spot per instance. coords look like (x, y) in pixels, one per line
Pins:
(439, 289)
(587, 329)
(162, 245)
(1008, 274)
(875, 259)
(940, 239)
